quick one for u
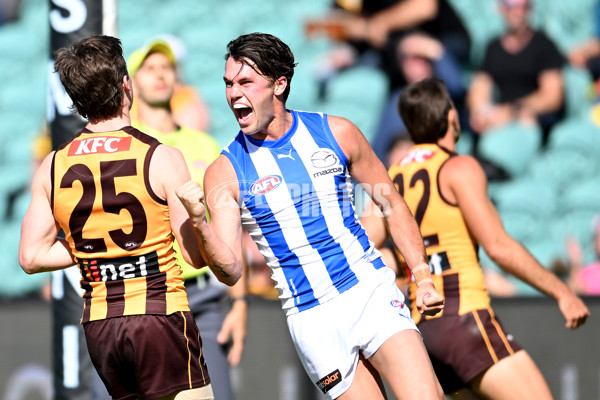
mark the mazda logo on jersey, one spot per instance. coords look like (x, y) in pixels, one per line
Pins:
(323, 158)
(265, 184)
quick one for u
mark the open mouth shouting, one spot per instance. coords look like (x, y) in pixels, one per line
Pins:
(243, 113)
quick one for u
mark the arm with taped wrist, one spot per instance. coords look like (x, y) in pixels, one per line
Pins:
(422, 274)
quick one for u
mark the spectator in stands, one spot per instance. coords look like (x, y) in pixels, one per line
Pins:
(585, 279)
(153, 69)
(9, 11)
(187, 105)
(420, 56)
(587, 54)
(369, 34)
(524, 66)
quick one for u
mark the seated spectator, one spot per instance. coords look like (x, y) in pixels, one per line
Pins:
(9, 11)
(420, 56)
(587, 54)
(369, 33)
(524, 66)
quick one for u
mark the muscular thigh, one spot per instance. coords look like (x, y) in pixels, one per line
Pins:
(514, 377)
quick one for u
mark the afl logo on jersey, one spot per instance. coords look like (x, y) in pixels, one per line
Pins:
(397, 304)
(265, 184)
(323, 158)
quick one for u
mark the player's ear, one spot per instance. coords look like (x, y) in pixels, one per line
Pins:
(127, 83)
(128, 88)
(280, 85)
(453, 121)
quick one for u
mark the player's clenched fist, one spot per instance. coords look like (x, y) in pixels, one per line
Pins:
(429, 301)
(192, 198)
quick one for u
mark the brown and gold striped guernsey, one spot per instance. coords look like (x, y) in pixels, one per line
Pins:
(451, 250)
(117, 227)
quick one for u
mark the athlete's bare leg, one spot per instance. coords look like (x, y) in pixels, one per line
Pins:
(367, 383)
(514, 377)
(404, 364)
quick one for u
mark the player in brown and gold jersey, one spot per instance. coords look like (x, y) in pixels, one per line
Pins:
(446, 236)
(116, 256)
(447, 193)
(114, 192)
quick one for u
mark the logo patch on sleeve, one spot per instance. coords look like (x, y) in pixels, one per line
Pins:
(332, 379)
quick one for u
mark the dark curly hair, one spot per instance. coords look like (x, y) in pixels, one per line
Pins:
(269, 56)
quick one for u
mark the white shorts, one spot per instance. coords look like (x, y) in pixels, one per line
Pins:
(329, 337)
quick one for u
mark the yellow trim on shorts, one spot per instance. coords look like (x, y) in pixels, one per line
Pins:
(501, 333)
(485, 337)
(200, 357)
(187, 341)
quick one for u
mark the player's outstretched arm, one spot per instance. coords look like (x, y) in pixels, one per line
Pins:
(39, 249)
(464, 181)
(368, 171)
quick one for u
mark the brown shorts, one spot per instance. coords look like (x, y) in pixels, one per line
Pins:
(147, 356)
(463, 346)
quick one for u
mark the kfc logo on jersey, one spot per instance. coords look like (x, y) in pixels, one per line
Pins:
(265, 184)
(417, 155)
(99, 145)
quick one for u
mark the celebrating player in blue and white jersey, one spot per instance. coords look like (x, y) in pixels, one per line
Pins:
(286, 179)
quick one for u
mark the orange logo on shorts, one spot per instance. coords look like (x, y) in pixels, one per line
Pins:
(332, 379)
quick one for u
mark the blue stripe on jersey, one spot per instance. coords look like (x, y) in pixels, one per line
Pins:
(378, 263)
(290, 264)
(319, 124)
(309, 210)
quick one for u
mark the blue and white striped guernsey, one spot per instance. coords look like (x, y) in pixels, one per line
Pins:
(296, 203)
